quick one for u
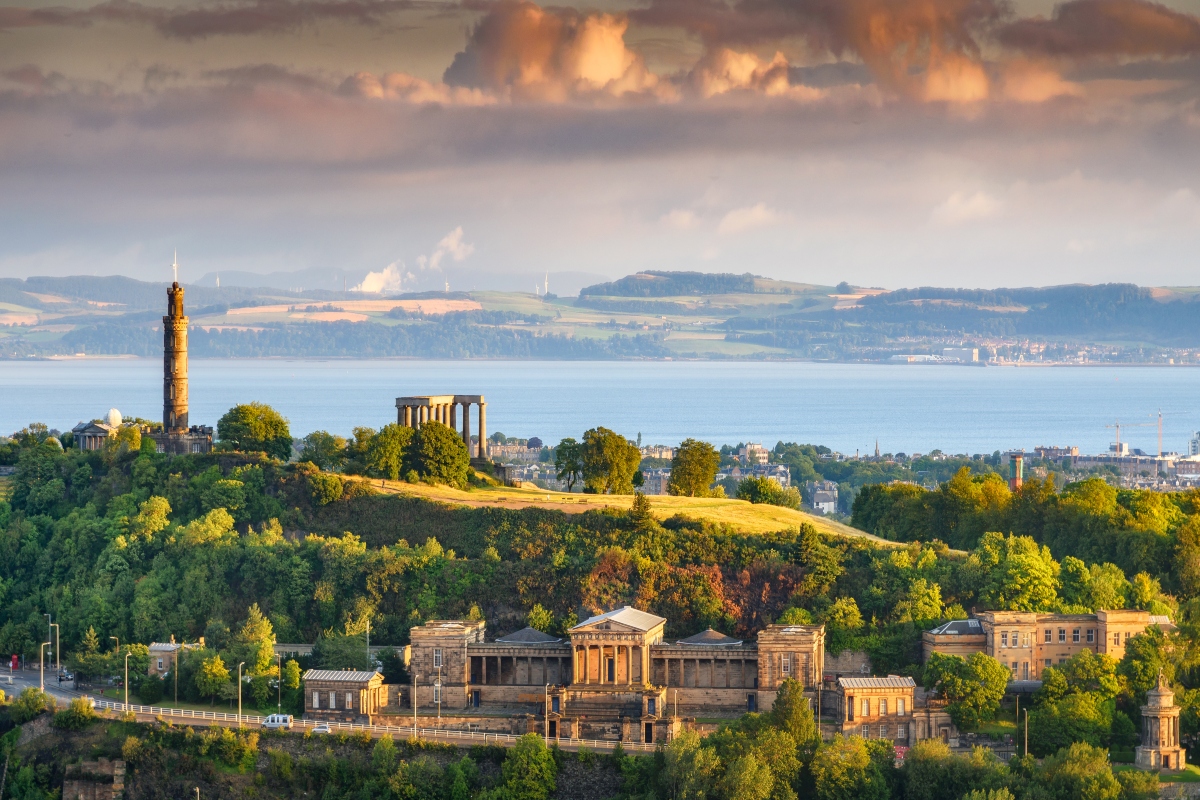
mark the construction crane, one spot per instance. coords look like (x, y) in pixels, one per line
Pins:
(1159, 424)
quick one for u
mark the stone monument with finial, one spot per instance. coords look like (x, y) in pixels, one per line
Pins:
(177, 437)
(1160, 748)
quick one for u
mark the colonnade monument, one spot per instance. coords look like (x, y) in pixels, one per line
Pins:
(412, 412)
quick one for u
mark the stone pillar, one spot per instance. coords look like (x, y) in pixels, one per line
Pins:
(629, 665)
(483, 448)
(453, 415)
(467, 427)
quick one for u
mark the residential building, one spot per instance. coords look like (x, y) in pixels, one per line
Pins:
(658, 451)
(164, 655)
(1055, 453)
(822, 496)
(654, 481)
(754, 454)
(514, 452)
(890, 708)
(775, 472)
(1194, 444)
(1026, 642)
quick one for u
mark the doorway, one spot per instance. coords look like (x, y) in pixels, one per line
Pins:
(553, 729)
(649, 733)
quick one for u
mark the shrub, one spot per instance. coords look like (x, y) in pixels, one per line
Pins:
(30, 704)
(151, 690)
(765, 490)
(77, 716)
(324, 488)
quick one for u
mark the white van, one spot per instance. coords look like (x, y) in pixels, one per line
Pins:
(6, 680)
(277, 721)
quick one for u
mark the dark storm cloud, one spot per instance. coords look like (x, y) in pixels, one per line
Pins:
(260, 16)
(1089, 28)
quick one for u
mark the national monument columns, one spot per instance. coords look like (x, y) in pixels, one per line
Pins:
(413, 412)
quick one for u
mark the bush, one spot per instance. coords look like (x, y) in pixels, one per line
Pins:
(78, 716)
(765, 490)
(324, 488)
(151, 690)
(440, 455)
(30, 704)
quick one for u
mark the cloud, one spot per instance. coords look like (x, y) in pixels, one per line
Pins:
(740, 220)
(961, 207)
(1089, 28)
(527, 52)
(217, 19)
(406, 88)
(680, 218)
(724, 70)
(1032, 82)
(452, 245)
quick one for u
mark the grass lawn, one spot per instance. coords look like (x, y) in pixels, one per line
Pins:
(1190, 774)
(743, 516)
(167, 702)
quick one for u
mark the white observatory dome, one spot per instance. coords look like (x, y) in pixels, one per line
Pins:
(113, 418)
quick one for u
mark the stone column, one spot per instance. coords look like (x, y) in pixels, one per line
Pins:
(629, 665)
(483, 450)
(466, 430)
(408, 419)
(453, 415)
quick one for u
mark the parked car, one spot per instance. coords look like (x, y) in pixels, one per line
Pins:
(65, 676)
(321, 728)
(277, 721)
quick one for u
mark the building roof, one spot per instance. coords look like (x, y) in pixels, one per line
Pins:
(890, 682)
(626, 615)
(710, 638)
(164, 646)
(528, 636)
(960, 627)
(347, 675)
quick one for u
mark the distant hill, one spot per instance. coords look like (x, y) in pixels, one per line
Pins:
(673, 284)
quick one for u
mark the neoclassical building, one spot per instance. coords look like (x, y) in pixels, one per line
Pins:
(613, 676)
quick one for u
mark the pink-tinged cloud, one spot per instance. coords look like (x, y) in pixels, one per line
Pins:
(398, 86)
(725, 70)
(1106, 28)
(526, 52)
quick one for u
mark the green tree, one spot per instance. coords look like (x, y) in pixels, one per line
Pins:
(568, 461)
(973, 686)
(325, 488)
(439, 455)
(609, 461)
(29, 704)
(843, 770)
(256, 427)
(254, 643)
(1078, 772)
(693, 469)
(1138, 785)
(211, 677)
(529, 770)
(691, 768)
(334, 650)
(325, 450)
(1014, 573)
(793, 715)
(384, 756)
(1091, 672)
(747, 778)
(387, 451)
(291, 674)
(540, 619)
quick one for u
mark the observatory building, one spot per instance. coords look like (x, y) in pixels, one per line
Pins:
(176, 437)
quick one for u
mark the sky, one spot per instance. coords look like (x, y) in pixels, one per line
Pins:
(888, 143)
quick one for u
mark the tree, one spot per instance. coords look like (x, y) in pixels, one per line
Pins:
(291, 674)
(211, 676)
(568, 461)
(691, 768)
(325, 488)
(1014, 573)
(693, 469)
(256, 427)
(29, 704)
(747, 778)
(540, 619)
(1079, 771)
(973, 686)
(384, 756)
(325, 450)
(439, 455)
(1091, 672)
(387, 450)
(529, 770)
(793, 715)
(254, 643)
(843, 770)
(609, 461)
(334, 650)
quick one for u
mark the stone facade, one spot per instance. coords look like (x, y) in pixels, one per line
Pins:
(1160, 748)
(94, 780)
(613, 677)
(176, 436)
(343, 695)
(1027, 642)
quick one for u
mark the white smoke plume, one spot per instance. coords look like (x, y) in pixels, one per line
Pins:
(452, 245)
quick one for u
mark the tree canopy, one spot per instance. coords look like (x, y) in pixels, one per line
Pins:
(256, 427)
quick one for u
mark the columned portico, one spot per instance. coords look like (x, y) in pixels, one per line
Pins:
(413, 412)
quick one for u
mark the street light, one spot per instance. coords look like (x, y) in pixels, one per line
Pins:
(49, 624)
(126, 680)
(279, 682)
(42, 665)
(57, 648)
(414, 704)
(438, 692)
(239, 717)
(546, 714)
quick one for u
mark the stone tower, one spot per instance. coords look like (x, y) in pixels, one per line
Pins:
(1160, 748)
(175, 363)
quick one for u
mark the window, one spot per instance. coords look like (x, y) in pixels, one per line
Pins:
(1075, 635)
(1116, 639)
(1049, 636)
(883, 731)
(160, 665)
(785, 664)
(437, 692)
(1126, 637)
(437, 657)
(1048, 663)
(866, 731)
(900, 706)
(866, 707)
(333, 699)
(850, 708)
(316, 699)
(1062, 634)
(1004, 639)
(1024, 670)
(1091, 636)
(1024, 640)
(1014, 669)
(883, 707)
(651, 704)
(349, 701)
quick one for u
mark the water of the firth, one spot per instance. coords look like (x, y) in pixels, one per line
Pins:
(909, 408)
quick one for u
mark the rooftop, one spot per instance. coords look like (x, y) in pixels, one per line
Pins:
(528, 636)
(626, 615)
(348, 675)
(960, 627)
(711, 638)
(890, 682)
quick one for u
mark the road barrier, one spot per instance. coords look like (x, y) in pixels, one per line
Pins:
(408, 731)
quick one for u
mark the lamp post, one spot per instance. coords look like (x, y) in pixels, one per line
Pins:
(126, 680)
(438, 691)
(546, 714)
(42, 666)
(1026, 732)
(175, 669)
(239, 716)
(57, 648)
(414, 705)
(49, 624)
(279, 682)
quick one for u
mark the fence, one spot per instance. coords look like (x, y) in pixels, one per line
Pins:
(409, 731)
